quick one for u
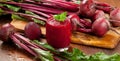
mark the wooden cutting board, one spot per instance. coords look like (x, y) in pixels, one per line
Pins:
(109, 40)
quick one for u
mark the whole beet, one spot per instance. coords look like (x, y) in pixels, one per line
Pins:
(5, 31)
(33, 31)
(100, 26)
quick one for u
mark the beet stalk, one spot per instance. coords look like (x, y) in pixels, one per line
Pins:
(8, 11)
(78, 24)
(69, 6)
(15, 40)
(23, 42)
(104, 7)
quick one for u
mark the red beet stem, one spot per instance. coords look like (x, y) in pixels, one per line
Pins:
(84, 30)
(36, 7)
(38, 12)
(26, 15)
(104, 7)
(22, 45)
(64, 5)
(27, 41)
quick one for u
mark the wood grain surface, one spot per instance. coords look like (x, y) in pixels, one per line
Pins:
(10, 52)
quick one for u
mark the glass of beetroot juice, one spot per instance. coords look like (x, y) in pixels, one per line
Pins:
(58, 32)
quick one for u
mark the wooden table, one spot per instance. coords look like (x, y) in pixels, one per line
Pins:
(10, 52)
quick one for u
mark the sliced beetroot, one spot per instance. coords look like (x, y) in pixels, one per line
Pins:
(5, 31)
(58, 33)
(33, 31)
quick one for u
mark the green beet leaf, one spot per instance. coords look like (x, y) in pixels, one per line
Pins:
(35, 20)
(61, 17)
(104, 57)
(75, 55)
(39, 21)
(44, 55)
(77, 2)
(45, 45)
(17, 17)
(14, 8)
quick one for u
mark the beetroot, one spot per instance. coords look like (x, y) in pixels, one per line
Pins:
(98, 14)
(100, 26)
(58, 33)
(5, 31)
(87, 8)
(76, 22)
(115, 17)
(32, 31)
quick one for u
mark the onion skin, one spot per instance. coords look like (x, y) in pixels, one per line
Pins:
(58, 33)
(100, 26)
(115, 17)
(5, 31)
(33, 31)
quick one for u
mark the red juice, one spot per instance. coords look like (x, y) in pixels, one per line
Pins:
(58, 33)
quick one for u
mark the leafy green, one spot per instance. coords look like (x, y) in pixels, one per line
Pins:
(104, 57)
(14, 8)
(1, 12)
(45, 45)
(44, 55)
(75, 55)
(35, 20)
(39, 21)
(29, 12)
(17, 17)
(61, 17)
(77, 2)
